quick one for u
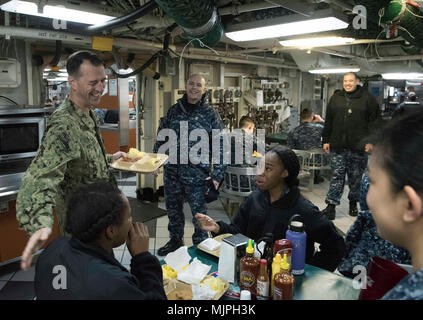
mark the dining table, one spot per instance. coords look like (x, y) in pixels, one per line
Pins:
(314, 284)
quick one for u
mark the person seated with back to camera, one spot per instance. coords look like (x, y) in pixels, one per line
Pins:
(99, 219)
(246, 124)
(308, 136)
(363, 242)
(278, 198)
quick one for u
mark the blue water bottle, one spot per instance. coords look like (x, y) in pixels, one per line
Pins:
(298, 237)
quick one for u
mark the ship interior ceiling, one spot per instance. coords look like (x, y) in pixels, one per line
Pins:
(151, 46)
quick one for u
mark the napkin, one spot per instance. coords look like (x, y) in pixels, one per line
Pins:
(226, 267)
(210, 244)
(178, 259)
(202, 293)
(194, 273)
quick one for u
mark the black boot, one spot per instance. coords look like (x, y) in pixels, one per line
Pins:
(353, 209)
(330, 212)
(172, 245)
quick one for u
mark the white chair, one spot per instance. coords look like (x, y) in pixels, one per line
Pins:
(304, 159)
(310, 161)
(233, 191)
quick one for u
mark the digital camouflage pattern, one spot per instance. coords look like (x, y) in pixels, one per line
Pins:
(199, 116)
(345, 162)
(186, 182)
(306, 136)
(71, 152)
(409, 288)
(176, 193)
(363, 242)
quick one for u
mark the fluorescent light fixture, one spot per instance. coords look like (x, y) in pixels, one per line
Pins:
(125, 71)
(316, 42)
(403, 76)
(333, 70)
(55, 12)
(59, 79)
(323, 20)
(60, 70)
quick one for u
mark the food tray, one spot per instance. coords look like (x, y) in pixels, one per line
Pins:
(216, 252)
(142, 165)
(185, 289)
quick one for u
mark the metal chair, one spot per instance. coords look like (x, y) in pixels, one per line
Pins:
(304, 159)
(310, 161)
(237, 186)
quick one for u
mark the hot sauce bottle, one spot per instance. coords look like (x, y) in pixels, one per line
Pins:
(249, 270)
(263, 284)
(284, 283)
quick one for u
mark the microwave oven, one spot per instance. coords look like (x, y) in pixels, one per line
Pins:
(20, 137)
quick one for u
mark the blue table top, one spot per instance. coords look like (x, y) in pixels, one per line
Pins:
(314, 284)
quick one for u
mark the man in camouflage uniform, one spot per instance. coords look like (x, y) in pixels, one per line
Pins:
(307, 136)
(72, 152)
(351, 115)
(187, 181)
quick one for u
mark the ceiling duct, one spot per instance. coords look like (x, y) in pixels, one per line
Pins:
(404, 16)
(198, 19)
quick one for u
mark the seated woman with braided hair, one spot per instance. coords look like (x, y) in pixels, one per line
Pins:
(268, 210)
(84, 267)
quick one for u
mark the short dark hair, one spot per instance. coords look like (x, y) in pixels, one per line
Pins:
(77, 58)
(290, 162)
(305, 114)
(352, 73)
(244, 121)
(92, 208)
(397, 147)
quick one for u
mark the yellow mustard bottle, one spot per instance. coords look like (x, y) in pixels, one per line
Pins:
(276, 268)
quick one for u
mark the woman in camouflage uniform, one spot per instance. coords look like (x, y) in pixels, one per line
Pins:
(395, 196)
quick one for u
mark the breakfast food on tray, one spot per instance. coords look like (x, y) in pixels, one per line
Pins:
(214, 283)
(153, 161)
(181, 294)
(134, 155)
(169, 272)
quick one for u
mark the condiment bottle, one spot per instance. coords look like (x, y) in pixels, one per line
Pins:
(276, 268)
(249, 269)
(284, 283)
(263, 282)
(268, 251)
(283, 246)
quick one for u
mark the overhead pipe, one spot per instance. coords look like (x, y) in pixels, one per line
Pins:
(86, 42)
(238, 61)
(57, 55)
(148, 20)
(143, 10)
(237, 10)
(153, 58)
